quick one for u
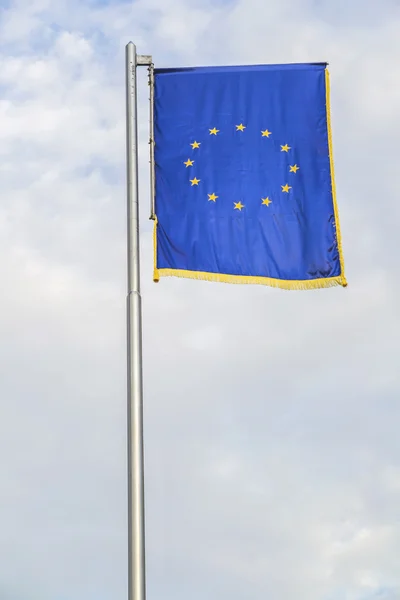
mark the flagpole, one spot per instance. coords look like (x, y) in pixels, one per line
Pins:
(136, 528)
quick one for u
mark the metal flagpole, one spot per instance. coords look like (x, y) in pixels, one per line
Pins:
(136, 533)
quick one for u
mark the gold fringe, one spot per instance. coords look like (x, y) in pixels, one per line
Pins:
(285, 284)
(156, 276)
(335, 206)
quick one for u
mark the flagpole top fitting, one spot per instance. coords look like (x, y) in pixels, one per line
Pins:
(144, 60)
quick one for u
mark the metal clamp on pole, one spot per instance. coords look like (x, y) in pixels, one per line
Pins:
(145, 60)
(152, 145)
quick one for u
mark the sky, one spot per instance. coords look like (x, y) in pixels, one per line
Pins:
(272, 450)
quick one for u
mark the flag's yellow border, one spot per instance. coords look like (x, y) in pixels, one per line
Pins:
(343, 281)
(305, 284)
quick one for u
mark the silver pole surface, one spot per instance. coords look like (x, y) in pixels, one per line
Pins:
(136, 533)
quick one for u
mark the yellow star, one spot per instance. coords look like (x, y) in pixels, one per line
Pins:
(285, 148)
(240, 127)
(286, 188)
(266, 133)
(266, 201)
(194, 181)
(212, 197)
(294, 169)
(238, 205)
(189, 162)
(195, 145)
(214, 131)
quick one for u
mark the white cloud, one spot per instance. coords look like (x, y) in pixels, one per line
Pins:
(272, 455)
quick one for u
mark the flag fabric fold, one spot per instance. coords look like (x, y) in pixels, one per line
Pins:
(244, 181)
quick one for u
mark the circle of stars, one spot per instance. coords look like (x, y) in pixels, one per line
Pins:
(238, 205)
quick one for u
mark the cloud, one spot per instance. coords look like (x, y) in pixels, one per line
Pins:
(272, 454)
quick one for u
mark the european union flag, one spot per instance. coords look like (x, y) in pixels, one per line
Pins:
(244, 176)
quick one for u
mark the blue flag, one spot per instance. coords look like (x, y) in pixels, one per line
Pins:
(244, 183)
